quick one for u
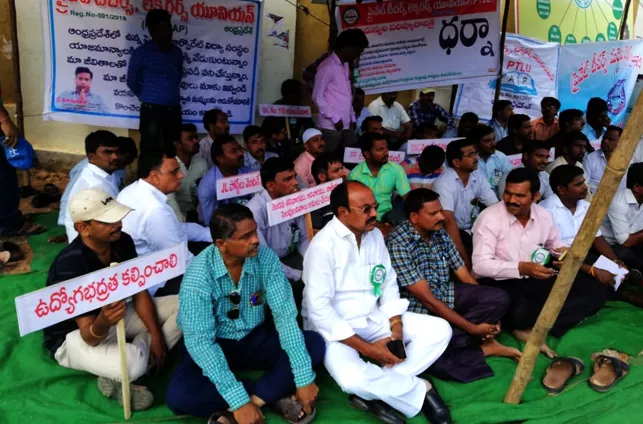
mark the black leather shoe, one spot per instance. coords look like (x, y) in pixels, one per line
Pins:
(435, 410)
(381, 410)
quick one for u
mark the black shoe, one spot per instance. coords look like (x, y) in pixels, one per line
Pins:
(381, 410)
(435, 410)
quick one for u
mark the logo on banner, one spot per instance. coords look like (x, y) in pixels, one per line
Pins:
(351, 16)
(616, 98)
(517, 83)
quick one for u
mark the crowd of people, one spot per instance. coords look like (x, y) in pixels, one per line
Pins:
(413, 267)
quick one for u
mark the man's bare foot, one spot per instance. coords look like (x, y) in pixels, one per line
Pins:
(491, 347)
(523, 335)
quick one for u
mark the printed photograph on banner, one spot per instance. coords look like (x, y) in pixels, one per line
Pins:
(286, 111)
(529, 74)
(238, 185)
(354, 155)
(88, 47)
(300, 203)
(415, 147)
(606, 70)
(461, 40)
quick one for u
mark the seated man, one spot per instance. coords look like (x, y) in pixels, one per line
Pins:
(422, 171)
(289, 239)
(570, 120)
(326, 167)
(466, 124)
(152, 224)
(255, 154)
(463, 192)
(423, 132)
(372, 124)
(193, 167)
(501, 111)
(277, 142)
(292, 95)
(227, 157)
(222, 312)
(568, 208)
(383, 177)
(492, 163)
(596, 162)
(535, 156)
(352, 299)
(361, 112)
(597, 117)
(215, 122)
(547, 125)
(519, 132)
(88, 342)
(314, 145)
(425, 111)
(623, 224)
(506, 238)
(574, 146)
(396, 123)
(422, 255)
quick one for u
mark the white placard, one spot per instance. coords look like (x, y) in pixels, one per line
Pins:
(415, 147)
(285, 111)
(300, 203)
(596, 144)
(238, 185)
(515, 160)
(51, 305)
(354, 155)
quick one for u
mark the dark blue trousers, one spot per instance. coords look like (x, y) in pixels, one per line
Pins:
(192, 393)
(11, 219)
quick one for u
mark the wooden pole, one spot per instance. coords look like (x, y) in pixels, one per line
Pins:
(122, 351)
(309, 227)
(288, 128)
(616, 168)
(626, 11)
(503, 37)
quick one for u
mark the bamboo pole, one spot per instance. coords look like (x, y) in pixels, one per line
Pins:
(503, 37)
(626, 11)
(309, 227)
(616, 168)
(122, 352)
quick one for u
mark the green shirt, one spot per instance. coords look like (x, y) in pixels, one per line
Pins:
(205, 289)
(390, 178)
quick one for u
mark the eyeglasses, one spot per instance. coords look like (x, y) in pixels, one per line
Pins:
(367, 209)
(235, 298)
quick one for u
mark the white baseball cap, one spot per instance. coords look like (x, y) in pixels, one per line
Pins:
(95, 204)
(310, 133)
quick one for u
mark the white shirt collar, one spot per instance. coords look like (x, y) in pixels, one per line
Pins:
(629, 197)
(97, 171)
(158, 194)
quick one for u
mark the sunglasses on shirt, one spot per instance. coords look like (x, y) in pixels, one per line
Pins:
(256, 299)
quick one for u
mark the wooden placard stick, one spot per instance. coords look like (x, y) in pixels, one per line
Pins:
(288, 127)
(122, 352)
(309, 226)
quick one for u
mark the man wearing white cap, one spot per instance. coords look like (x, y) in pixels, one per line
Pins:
(314, 145)
(88, 342)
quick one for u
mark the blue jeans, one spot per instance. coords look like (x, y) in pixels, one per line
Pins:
(192, 393)
(11, 219)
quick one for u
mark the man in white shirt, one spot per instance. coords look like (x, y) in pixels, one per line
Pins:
(102, 152)
(623, 224)
(574, 146)
(152, 224)
(596, 162)
(463, 192)
(396, 122)
(534, 156)
(352, 299)
(193, 167)
(215, 122)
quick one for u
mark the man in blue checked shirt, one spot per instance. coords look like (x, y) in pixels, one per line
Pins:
(222, 306)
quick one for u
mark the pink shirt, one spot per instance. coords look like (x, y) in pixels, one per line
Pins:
(302, 167)
(332, 93)
(500, 241)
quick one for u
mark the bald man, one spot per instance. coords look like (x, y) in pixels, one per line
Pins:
(352, 299)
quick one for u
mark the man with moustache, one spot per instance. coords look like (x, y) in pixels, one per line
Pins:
(535, 156)
(193, 167)
(88, 342)
(314, 145)
(372, 124)
(423, 255)
(511, 242)
(255, 154)
(224, 299)
(352, 299)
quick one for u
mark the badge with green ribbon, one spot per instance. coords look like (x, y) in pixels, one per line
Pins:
(378, 275)
(540, 256)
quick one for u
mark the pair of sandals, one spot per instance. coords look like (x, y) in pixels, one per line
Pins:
(50, 194)
(10, 252)
(609, 367)
(288, 408)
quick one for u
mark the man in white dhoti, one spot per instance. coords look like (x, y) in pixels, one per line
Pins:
(352, 299)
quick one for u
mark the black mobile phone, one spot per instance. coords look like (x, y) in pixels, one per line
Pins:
(396, 347)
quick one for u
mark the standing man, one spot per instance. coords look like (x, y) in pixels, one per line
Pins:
(216, 124)
(88, 342)
(81, 98)
(492, 163)
(223, 303)
(397, 124)
(154, 75)
(598, 119)
(425, 111)
(520, 133)
(352, 299)
(332, 92)
(501, 112)
(467, 122)
(193, 168)
(255, 154)
(535, 155)
(314, 145)
(547, 125)
(596, 162)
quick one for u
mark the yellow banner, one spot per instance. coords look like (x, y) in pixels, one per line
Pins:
(573, 21)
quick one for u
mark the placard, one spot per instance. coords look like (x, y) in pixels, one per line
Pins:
(354, 155)
(415, 147)
(300, 203)
(285, 111)
(238, 185)
(51, 305)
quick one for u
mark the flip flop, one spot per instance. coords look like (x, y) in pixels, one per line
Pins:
(609, 367)
(553, 382)
(4, 258)
(290, 409)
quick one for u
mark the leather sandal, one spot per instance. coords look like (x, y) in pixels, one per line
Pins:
(609, 367)
(291, 411)
(553, 381)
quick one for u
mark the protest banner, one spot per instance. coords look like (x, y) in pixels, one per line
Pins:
(606, 70)
(300, 203)
(529, 73)
(415, 147)
(461, 39)
(354, 155)
(285, 111)
(219, 40)
(53, 304)
(238, 185)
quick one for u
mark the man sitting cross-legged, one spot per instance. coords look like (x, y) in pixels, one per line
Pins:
(508, 239)
(223, 301)
(351, 298)
(422, 254)
(88, 342)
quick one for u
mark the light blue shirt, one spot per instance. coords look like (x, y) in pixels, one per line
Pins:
(500, 131)
(207, 194)
(250, 162)
(494, 168)
(457, 198)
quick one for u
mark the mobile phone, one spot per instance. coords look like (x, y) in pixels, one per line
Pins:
(396, 347)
